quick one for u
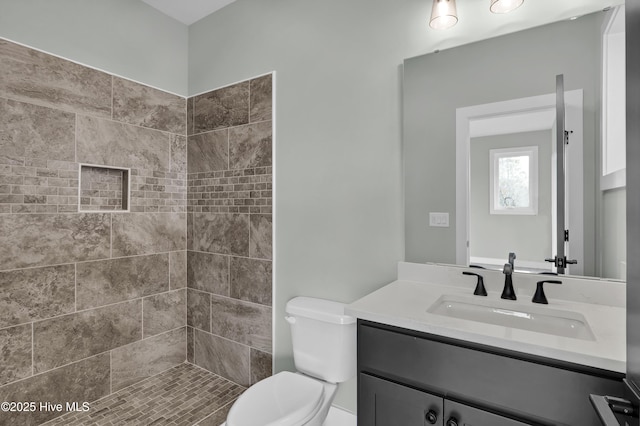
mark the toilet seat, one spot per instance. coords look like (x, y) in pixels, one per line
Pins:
(285, 399)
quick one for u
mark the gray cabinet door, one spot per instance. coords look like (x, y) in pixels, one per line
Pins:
(384, 403)
(463, 415)
(488, 377)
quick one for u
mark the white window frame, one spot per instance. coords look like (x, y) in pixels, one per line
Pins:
(494, 157)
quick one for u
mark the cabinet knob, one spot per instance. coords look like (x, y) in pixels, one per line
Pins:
(452, 421)
(431, 417)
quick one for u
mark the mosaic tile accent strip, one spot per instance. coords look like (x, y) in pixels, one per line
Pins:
(231, 191)
(156, 191)
(38, 185)
(103, 188)
(183, 395)
(33, 185)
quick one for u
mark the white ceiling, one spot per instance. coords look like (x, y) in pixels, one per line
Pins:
(188, 11)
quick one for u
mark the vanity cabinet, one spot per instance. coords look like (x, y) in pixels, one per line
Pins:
(405, 375)
(385, 403)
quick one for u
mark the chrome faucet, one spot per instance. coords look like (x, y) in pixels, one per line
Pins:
(508, 292)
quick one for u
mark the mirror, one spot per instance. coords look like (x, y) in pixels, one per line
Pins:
(509, 70)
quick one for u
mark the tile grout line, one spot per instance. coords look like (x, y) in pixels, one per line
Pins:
(220, 129)
(55, 368)
(33, 347)
(194, 347)
(257, 305)
(232, 341)
(92, 260)
(88, 357)
(75, 143)
(232, 255)
(75, 287)
(110, 372)
(112, 84)
(170, 155)
(249, 242)
(228, 149)
(140, 298)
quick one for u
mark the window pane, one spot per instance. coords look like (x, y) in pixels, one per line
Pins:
(513, 181)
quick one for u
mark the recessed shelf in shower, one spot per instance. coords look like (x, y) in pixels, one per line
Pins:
(103, 188)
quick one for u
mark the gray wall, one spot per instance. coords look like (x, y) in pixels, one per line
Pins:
(123, 37)
(495, 235)
(613, 242)
(338, 196)
(437, 84)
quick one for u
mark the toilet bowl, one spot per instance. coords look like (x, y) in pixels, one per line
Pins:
(324, 350)
(285, 399)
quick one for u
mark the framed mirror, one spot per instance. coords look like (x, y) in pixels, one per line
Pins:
(440, 88)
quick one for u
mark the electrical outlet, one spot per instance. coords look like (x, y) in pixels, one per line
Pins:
(439, 219)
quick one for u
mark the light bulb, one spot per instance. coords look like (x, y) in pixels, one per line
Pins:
(505, 6)
(443, 14)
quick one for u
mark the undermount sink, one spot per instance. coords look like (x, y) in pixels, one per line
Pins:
(540, 319)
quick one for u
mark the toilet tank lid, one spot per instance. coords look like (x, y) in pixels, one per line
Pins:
(319, 309)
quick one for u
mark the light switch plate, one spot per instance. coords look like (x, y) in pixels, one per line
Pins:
(439, 219)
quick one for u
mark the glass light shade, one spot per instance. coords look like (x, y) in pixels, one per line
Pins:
(443, 14)
(505, 6)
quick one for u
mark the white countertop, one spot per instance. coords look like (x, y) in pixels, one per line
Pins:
(404, 303)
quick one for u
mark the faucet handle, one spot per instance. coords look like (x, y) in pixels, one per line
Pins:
(480, 290)
(508, 269)
(476, 266)
(540, 297)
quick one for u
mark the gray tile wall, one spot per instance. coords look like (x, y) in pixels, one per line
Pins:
(89, 302)
(94, 302)
(229, 230)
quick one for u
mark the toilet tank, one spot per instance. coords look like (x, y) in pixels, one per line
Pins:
(323, 337)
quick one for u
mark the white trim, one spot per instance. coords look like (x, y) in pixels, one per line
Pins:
(613, 35)
(617, 179)
(274, 217)
(535, 105)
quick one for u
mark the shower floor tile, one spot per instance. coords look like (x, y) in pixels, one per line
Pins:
(183, 395)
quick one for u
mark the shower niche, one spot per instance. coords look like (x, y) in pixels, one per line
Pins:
(103, 188)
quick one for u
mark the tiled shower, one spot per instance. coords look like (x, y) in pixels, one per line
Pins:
(229, 257)
(135, 231)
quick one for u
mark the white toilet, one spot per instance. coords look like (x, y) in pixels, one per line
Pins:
(324, 352)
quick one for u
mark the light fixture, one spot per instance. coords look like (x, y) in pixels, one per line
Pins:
(443, 14)
(505, 6)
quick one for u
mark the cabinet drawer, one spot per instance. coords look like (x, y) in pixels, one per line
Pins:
(502, 382)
